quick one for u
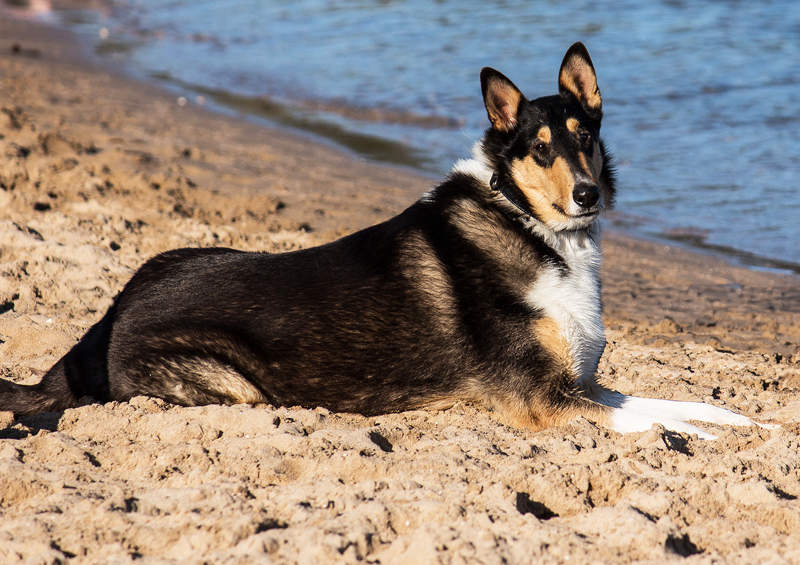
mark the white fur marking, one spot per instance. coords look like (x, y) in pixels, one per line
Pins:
(624, 422)
(473, 168)
(635, 414)
(572, 299)
(477, 167)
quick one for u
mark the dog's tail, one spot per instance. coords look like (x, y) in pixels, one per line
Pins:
(51, 394)
(82, 372)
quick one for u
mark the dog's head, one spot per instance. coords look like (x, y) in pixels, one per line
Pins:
(546, 153)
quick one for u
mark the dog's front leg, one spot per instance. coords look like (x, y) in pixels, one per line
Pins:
(549, 400)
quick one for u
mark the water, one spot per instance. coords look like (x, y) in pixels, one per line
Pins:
(700, 98)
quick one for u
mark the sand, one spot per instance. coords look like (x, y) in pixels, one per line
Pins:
(98, 173)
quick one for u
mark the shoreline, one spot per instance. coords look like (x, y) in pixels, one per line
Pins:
(272, 114)
(101, 172)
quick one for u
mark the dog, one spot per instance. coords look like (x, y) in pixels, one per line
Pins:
(485, 290)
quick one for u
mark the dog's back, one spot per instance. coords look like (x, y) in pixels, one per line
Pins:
(394, 317)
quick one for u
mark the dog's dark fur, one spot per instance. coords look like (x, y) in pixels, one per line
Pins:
(421, 311)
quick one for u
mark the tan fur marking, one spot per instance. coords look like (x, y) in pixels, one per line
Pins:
(501, 104)
(549, 335)
(544, 187)
(595, 100)
(579, 79)
(545, 134)
(207, 378)
(584, 163)
(537, 415)
(572, 124)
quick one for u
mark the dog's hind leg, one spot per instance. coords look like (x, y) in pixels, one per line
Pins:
(191, 380)
(188, 366)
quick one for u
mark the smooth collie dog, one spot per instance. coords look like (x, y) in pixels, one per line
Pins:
(485, 290)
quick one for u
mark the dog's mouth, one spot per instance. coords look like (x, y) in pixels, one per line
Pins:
(590, 213)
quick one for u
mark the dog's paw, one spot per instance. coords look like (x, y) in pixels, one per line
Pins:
(767, 426)
(635, 414)
(626, 421)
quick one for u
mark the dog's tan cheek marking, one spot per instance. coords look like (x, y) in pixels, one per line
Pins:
(535, 185)
(544, 187)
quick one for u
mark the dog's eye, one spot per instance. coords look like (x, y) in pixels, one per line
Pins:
(540, 147)
(584, 136)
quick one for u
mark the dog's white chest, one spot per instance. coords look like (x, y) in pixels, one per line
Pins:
(572, 300)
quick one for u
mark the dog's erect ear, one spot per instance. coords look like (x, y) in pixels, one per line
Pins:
(577, 78)
(502, 99)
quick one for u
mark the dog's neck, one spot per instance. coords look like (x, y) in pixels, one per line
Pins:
(511, 194)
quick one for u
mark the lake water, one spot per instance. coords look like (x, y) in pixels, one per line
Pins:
(700, 98)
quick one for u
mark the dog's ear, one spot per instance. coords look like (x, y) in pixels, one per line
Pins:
(577, 78)
(502, 99)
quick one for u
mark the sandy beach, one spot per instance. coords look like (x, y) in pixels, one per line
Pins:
(99, 173)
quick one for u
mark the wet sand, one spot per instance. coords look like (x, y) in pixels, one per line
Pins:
(100, 173)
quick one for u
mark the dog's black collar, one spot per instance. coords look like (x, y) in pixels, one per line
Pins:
(512, 194)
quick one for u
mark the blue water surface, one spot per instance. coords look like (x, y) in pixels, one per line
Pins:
(700, 98)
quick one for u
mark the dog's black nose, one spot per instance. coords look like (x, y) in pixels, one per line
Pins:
(586, 195)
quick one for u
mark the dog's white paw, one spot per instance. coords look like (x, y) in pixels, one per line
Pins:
(635, 414)
(626, 421)
(767, 426)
